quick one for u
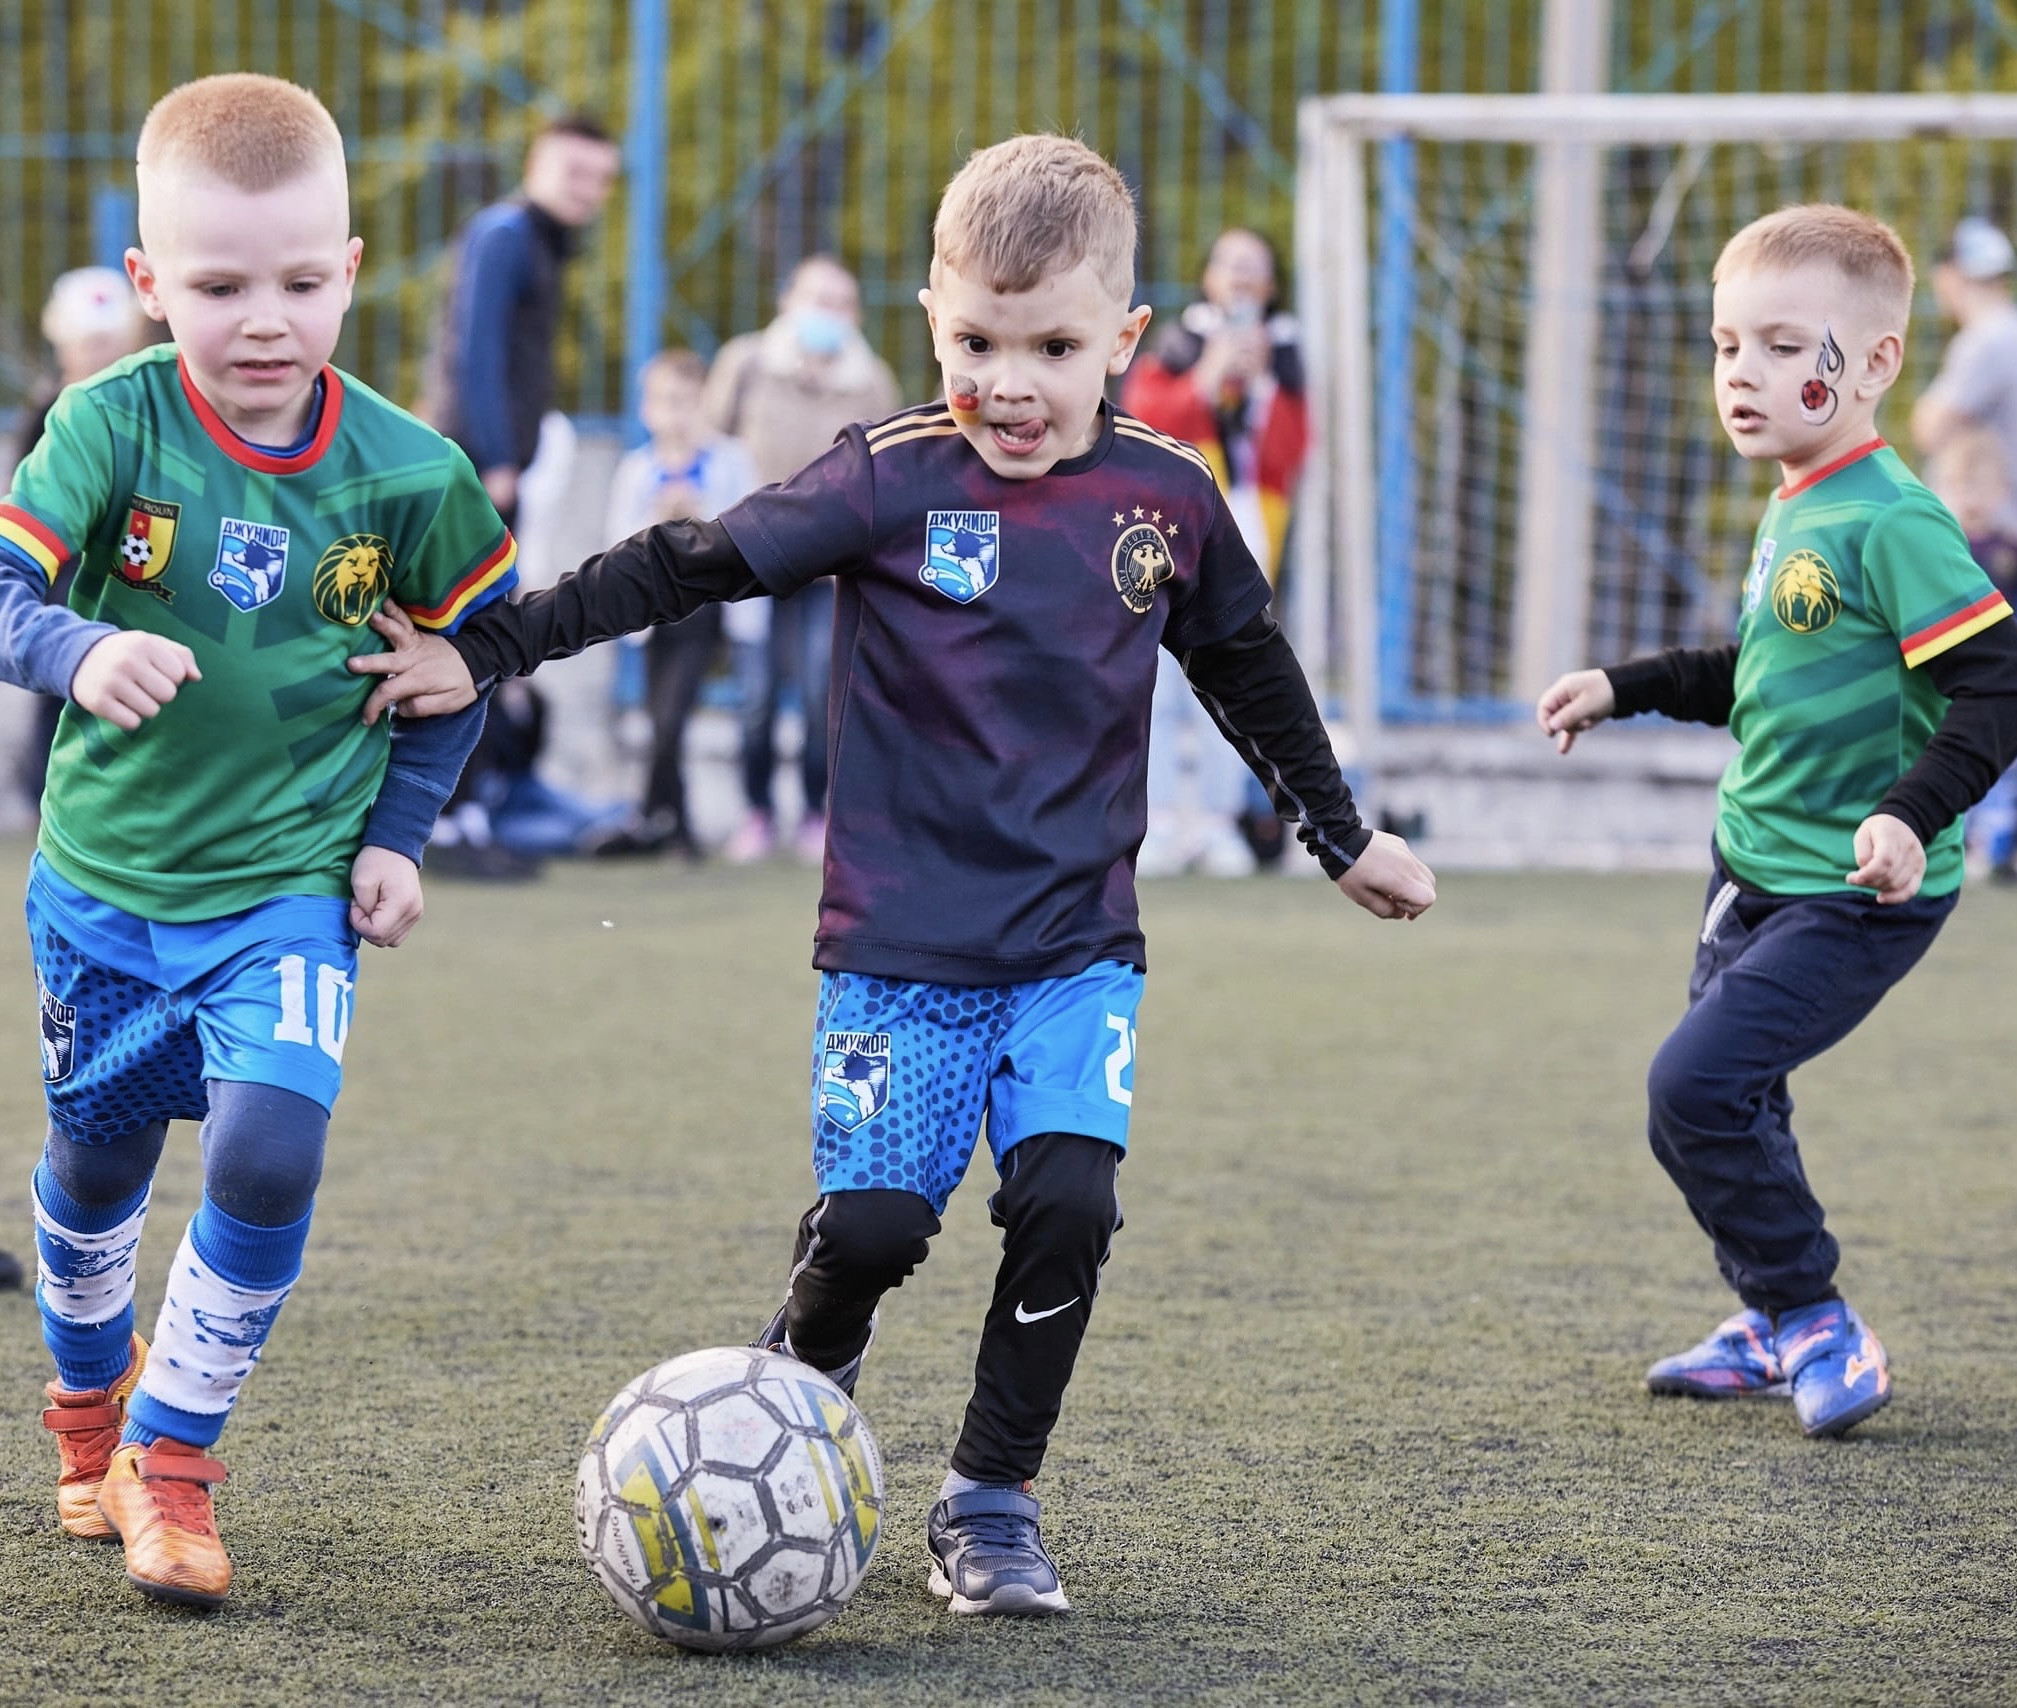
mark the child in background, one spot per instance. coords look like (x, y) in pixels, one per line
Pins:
(1872, 690)
(1970, 478)
(687, 471)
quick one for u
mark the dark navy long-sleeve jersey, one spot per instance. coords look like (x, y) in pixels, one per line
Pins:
(995, 651)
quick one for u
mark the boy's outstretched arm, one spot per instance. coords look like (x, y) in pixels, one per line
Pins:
(1257, 694)
(1694, 684)
(659, 575)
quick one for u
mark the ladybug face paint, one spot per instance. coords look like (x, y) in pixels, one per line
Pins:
(1818, 401)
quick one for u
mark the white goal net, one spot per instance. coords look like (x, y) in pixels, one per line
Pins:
(1506, 300)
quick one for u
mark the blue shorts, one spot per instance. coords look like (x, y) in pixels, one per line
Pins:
(137, 1015)
(902, 1073)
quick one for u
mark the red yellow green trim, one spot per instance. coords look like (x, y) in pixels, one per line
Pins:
(22, 531)
(479, 580)
(1936, 638)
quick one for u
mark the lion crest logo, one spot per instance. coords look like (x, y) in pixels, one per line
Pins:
(1806, 597)
(1142, 563)
(351, 578)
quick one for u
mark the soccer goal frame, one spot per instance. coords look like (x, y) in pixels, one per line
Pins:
(1356, 154)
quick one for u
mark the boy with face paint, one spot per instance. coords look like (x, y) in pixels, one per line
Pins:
(1873, 692)
(1010, 562)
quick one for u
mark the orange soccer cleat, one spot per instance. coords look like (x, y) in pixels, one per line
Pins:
(86, 1423)
(157, 1500)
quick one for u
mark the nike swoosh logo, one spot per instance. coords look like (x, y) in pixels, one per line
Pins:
(1023, 1316)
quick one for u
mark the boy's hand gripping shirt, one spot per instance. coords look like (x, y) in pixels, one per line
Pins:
(255, 781)
(1859, 578)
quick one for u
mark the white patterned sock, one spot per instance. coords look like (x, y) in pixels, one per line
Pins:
(208, 1336)
(86, 1278)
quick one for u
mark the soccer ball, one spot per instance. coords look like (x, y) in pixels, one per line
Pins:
(729, 1499)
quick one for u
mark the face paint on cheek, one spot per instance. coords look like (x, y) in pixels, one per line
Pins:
(964, 394)
(1818, 401)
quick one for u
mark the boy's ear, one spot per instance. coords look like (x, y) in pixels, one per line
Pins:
(1129, 339)
(141, 271)
(1882, 363)
(352, 254)
(930, 307)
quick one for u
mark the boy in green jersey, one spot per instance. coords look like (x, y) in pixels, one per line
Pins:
(1872, 690)
(219, 827)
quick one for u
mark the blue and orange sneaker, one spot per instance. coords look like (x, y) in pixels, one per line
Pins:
(1738, 1358)
(1837, 1367)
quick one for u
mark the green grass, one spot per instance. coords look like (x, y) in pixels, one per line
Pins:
(1360, 1416)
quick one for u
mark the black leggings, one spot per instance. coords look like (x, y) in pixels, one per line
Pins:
(1058, 1212)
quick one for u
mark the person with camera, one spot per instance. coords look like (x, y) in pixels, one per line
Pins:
(1227, 378)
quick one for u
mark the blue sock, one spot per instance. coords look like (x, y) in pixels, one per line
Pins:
(226, 1287)
(85, 1293)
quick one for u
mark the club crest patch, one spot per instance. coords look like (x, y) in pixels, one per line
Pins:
(251, 563)
(59, 1036)
(1754, 583)
(1142, 563)
(351, 578)
(1806, 597)
(962, 552)
(145, 546)
(853, 1077)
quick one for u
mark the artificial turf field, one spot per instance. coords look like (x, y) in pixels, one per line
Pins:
(1359, 1418)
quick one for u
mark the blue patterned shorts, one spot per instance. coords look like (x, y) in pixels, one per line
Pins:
(903, 1073)
(136, 1015)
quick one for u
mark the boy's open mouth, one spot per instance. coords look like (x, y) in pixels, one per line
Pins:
(1018, 437)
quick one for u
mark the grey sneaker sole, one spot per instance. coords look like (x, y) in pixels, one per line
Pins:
(1013, 1600)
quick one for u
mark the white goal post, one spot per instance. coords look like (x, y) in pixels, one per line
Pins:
(1517, 475)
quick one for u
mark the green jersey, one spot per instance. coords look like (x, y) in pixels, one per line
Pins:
(1859, 576)
(255, 781)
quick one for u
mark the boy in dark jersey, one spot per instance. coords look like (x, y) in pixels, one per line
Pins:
(1873, 691)
(1008, 559)
(218, 829)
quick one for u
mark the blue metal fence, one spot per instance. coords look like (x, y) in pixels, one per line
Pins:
(760, 133)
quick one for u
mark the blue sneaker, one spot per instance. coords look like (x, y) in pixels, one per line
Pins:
(988, 1556)
(1738, 1358)
(1837, 1367)
(772, 1338)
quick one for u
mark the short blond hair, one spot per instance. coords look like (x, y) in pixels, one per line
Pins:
(251, 131)
(1871, 258)
(1033, 206)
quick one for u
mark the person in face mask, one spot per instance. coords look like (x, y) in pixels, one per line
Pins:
(785, 392)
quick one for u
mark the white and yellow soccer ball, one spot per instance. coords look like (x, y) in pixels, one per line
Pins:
(729, 1499)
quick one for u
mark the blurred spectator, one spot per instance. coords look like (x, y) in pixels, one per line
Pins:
(785, 392)
(91, 320)
(1227, 377)
(1977, 383)
(491, 376)
(490, 385)
(688, 470)
(1971, 478)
